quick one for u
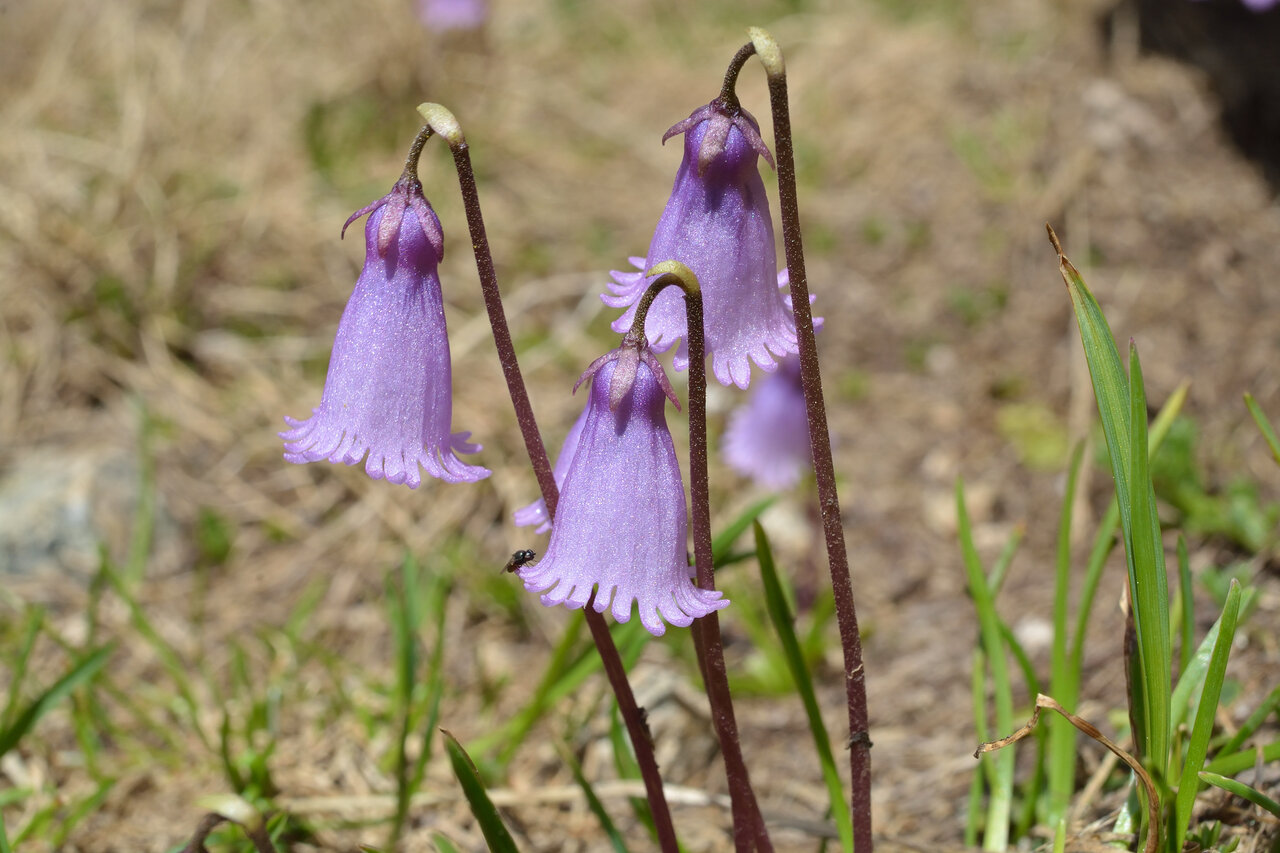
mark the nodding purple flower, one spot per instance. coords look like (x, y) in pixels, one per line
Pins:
(445, 15)
(717, 222)
(620, 530)
(536, 512)
(388, 390)
(768, 436)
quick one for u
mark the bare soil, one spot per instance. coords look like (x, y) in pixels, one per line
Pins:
(175, 177)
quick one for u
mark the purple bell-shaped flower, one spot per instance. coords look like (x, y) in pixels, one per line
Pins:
(388, 393)
(717, 222)
(620, 529)
(445, 15)
(768, 436)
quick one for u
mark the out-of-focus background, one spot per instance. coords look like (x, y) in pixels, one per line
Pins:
(173, 178)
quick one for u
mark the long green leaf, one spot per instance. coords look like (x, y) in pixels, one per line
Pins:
(783, 624)
(593, 802)
(1198, 745)
(1243, 791)
(1264, 425)
(486, 814)
(443, 844)
(1253, 723)
(435, 678)
(23, 722)
(1187, 610)
(1229, 765)
(404, 617)
(1149, 584)
(723, 541)
(1110, 385)
(1063, 687)
(624, 762)
(35, 620)
(1104, 541)
(999, 807)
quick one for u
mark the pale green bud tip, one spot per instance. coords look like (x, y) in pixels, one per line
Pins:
(233, 808)
(679, 270)
(768, 51)
(442, 122)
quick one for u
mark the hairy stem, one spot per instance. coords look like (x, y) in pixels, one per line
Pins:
(820, 441)
(442, 122)
(748, 824)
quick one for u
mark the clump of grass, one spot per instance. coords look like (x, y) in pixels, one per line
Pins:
(1172, 722)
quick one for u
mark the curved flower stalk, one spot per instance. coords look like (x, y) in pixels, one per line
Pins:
(622, 521)
(388, 391)
(717, 222)
(536, 512)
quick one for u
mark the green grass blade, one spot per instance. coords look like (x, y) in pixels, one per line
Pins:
(1264, 425)
(1110, 385)
(593, 802)
(722, 544)
(4, 836)
(1020, 656)
(1063, 687)
(404, 618)
(26, 719)
(443, 845)
(571, 663)
(35, 620)
(173, 664)
(1243, 791)
(1105, 539)
(435, 678)
(999, 571)
(783, 623)
(1253, 723)
(1186, 608)
(1229, 765)
(486, 814)
(1149, 584)
(1000, 803)
(1198, 745)
(624, 762)
(1181, 702)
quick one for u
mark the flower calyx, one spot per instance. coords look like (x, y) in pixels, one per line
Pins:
(723, 115)
(633, 350)
(406, 196)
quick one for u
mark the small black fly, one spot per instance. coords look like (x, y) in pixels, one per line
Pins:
(519, 559)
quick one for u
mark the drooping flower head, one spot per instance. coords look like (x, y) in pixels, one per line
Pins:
(717, 222)
(621, 526)
(768, 436)
(388, 393)
(445, 15)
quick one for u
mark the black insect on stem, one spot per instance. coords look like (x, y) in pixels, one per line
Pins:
(519, 560)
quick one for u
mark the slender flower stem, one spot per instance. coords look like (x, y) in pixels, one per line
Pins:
(728, 92)
(820, 440)
(443, 122)
(748, 824)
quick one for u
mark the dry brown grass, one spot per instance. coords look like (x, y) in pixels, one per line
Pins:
(168, 244)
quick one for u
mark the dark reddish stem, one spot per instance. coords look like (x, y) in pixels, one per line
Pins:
(728, 92)
(748, 824)
(820, 441)
(613, 666)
